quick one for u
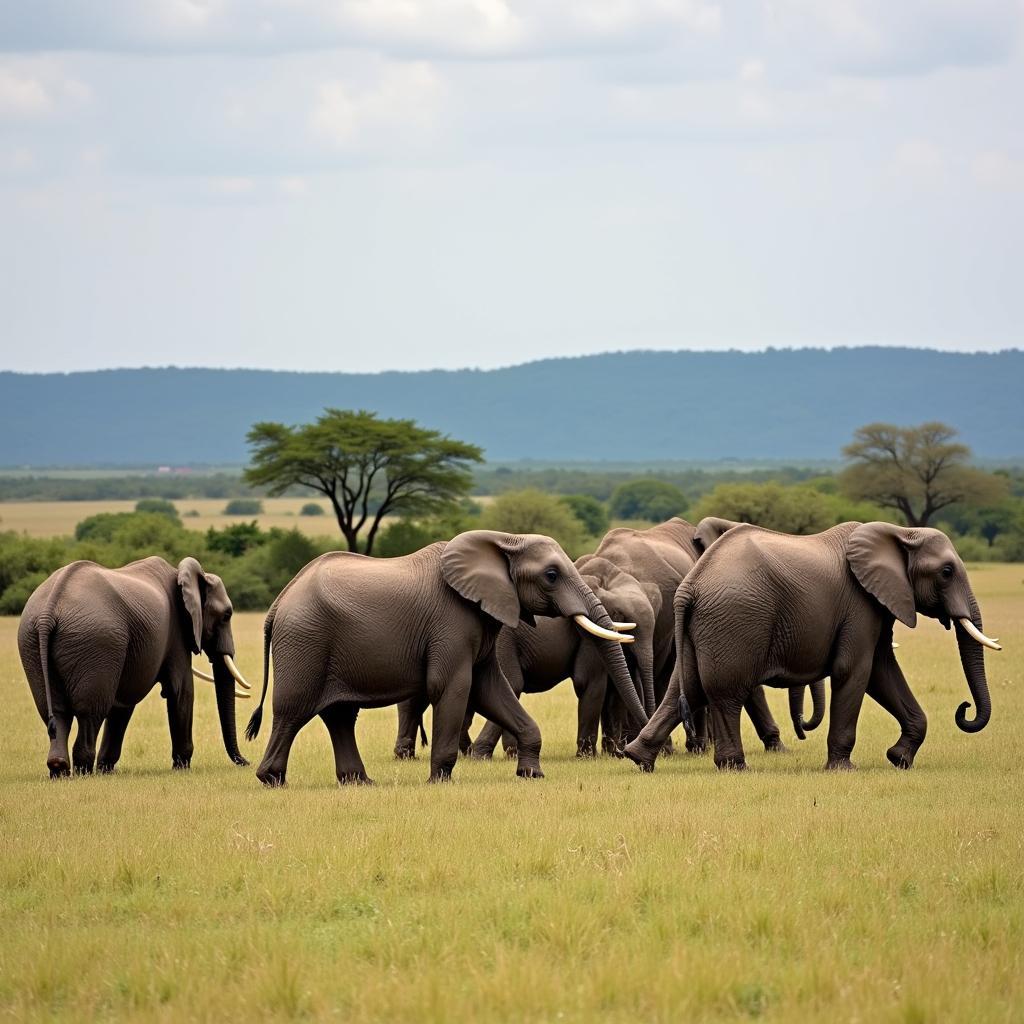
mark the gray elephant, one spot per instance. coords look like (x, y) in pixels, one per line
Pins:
(351, 632)
(535, 660)
(94, 641)
(768, 608)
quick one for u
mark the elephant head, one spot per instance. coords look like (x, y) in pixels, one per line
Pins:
(206, 624)
(638, 604)
(514, 577)
(915, 569)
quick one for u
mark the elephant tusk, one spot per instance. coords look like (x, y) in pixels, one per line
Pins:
(233, 669)
(895, 645)
(976, 634)
(242, 694)
(623, 627)
(605, 634)
(202, 675)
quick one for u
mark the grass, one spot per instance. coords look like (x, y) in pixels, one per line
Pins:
(59, 518)
(780, 894)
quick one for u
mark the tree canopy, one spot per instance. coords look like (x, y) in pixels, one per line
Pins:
(648, 498)
(367, 467)
(917, 471)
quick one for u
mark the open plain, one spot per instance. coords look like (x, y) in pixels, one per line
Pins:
(780, 894)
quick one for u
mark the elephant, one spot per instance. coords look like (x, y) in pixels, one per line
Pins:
(773, 609)
(536, 660)
(350, 631)
(662, 556)
(94, 641)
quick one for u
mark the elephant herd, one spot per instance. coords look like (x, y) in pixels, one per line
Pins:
(687, 623)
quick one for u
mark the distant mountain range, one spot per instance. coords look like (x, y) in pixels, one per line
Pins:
(629, 406)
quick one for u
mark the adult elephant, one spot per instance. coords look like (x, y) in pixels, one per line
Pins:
(94, 641)
(351, 632)
(773, 609)
(661, 556)
(535, 660)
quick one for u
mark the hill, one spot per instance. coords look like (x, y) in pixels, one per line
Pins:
(629, 406)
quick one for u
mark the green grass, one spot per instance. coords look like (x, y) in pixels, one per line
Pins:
(781, 894)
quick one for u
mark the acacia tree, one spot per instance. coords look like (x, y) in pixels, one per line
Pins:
(916, 471)
(367, 467)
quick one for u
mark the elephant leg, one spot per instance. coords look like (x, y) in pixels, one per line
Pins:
(646, 747)
(495, 698)
(113, 737)
(179, 721)
(410, 717)
(509, 745)
(340, 720)
(698, 740)
(486, 741)
(58, 760)
(725, 721)
(889, 688)
(848, 687)
(588, 713)
(274, 766)
(465, 740)
(449, 715)
(756, 706)
(83, 754)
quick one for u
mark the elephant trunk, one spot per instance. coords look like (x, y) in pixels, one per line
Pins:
(643, 652)
(972, 658)
(614, 659)
(224, 684)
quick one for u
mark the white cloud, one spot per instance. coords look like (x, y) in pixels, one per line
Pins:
(995, 168)
(22, 96)
(32, 88)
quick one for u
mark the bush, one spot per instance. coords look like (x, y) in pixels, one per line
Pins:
(311, 508)
(653, 500)
(534, 512)
(236, 539)
(243, 507)
(158, 506)
(15, 597)
(591, 513)
(405, 536)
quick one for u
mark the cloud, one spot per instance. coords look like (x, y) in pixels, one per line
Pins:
(33, 88)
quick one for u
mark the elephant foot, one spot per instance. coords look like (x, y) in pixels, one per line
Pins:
(272, 780)
(83, 769)
(901, 757)
(405, 753)
(104, 767)
(443, 774)
(181, 764)
(511, 753)
(239, 760)
(668, 749)
(731, 764)
(697, 747)
(59, 768)
(529, 772)
(640, 756)
(478, 753)
(355, 779)
(586, 749)
(774, 745)
(840, 764)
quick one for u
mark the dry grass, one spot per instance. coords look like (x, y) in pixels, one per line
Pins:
(781, 894)
(59, 518)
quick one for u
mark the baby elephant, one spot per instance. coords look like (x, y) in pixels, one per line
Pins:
(764, 607)
(95, 641)
(353, 632)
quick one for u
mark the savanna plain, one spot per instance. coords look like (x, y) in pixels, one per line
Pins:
(782, 893)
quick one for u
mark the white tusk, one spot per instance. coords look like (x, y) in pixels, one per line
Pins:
(623, 627)
(605, 634)
(241, 694)
(202, 675)
(894, 645)
(976, 634)
(233, 669)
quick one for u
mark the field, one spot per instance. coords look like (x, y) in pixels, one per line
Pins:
(56, 518)
(780, 894)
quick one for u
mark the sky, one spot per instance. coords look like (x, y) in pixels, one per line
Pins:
(365, 185)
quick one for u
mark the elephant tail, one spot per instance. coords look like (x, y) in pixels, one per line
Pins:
(681, 605)
(817, 705)
(252, 730)
(796, 708)
(44, 625)
(423, 734)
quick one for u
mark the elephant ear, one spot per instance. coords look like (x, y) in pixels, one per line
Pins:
(190, 572)
(476, 566)
(877, 553)
(709, 530)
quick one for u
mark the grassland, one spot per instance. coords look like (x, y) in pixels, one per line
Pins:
(57, 518)
(780, 894)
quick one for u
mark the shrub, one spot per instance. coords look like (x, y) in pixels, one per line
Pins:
(15, 596)
(311, 508)
(534, 512)
(243, 507)
(653, 500)
(236, 539)
(405, 536)
(158, 506)
(591, 513)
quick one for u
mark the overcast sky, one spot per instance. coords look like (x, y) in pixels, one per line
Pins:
(382, 184)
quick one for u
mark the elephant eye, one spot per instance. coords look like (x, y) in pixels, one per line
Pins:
(551, 575)
(947, 572)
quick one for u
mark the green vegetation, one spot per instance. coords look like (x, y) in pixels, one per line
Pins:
(159, 506)
(591, 513)
(243, 507)
(597, 894)
(367, 467)
(653, 500)
(535, 512)
(311, 508)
